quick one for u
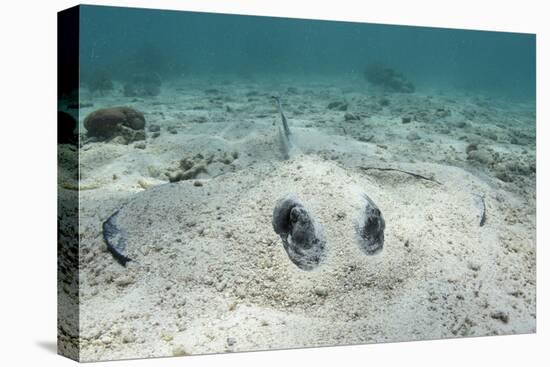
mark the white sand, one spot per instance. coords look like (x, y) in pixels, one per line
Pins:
(211, 275)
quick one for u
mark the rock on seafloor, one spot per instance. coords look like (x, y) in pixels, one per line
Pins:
(107, 123)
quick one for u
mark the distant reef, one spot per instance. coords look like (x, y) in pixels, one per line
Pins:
(388, 79)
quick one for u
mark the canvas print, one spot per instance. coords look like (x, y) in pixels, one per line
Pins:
(232, 183)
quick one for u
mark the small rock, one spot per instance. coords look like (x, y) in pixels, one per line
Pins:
(338, 106)
(321, 291)
(220, 286)
(231, 341)
(384, 102)
(124, 281)
(340, 215)
(470, 147)
(144, 184)
(351, 117)
(491, 135)
(502, 175)
(200, 119)
(227, 159)
(481, 155)
(474, 266)
(365, 139)
(292, 90)
(172, 130)
(413, 135)
(500, 315)
(128, 337)
(166, 336)
(197, 183)
(140, 145)
(442, 112)
(155, 135)
(406, 119)
(154, 128)
(179, 351)
(518, 167)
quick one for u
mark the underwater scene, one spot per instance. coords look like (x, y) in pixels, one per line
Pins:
(254, 183)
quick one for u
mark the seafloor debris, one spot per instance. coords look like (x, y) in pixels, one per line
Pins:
(483, 215)
(153, 128)
(338, 106)
(191, 167)
(388, 79)
(302, 236)
(107, 123)
(188, 174)
(370, 228)
(351, 117)
(415, 175)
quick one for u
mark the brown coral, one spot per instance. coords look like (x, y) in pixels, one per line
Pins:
(107, 123)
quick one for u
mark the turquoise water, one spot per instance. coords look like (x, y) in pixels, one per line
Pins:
(174, 43)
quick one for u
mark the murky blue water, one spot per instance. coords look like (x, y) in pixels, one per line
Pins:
(173, 43)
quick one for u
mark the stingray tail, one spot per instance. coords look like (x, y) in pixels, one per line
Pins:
(285, 135)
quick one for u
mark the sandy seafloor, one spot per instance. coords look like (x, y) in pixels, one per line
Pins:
(217, 279)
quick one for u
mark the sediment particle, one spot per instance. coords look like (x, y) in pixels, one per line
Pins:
(351, 117)
(179, 351)
(166, 335)
(124, 281)
(153, 128)
(471, 147)
(500, 315)
(128, 337)
(321, 291)
(338, 106)
(413, 135)
(481, 155)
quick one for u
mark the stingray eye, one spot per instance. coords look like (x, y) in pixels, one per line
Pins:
(370, 228)
(302, 236)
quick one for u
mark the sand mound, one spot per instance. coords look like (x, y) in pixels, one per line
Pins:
(211, 275)
(210, 252)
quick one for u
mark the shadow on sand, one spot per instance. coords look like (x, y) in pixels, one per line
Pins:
(48, 345)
